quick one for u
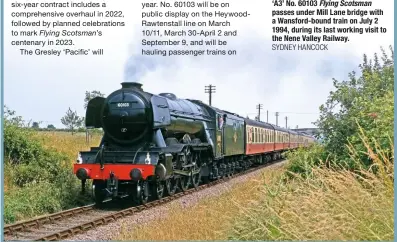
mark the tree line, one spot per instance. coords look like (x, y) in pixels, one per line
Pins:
(71, 120)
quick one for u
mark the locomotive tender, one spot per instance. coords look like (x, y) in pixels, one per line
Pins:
(154, 145)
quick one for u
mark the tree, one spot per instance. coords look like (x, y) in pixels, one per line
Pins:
(71, 120)
(11, 118)
(366, 100)
(91, 95)
(35, 125)
(50, 126)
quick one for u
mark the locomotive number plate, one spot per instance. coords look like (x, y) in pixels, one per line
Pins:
(123, 105)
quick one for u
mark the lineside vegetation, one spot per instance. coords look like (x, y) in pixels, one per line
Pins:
(340, 189)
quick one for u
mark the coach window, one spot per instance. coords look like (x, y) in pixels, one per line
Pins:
(259, 135)
(268, 136)
(265, 135)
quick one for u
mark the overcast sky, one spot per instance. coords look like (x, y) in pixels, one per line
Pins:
(294, 83)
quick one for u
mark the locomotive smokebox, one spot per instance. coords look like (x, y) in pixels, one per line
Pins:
(132, 85)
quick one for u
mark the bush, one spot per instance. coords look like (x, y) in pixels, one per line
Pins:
(367, 102)
(303, 160)
(38, 180)
(367, 99)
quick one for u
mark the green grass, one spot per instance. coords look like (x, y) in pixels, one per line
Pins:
(38, 172)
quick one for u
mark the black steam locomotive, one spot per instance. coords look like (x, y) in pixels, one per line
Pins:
(154, 145)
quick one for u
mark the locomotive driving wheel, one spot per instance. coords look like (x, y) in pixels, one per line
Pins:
(171, 184)
(186, 159)
(99, 192)
(141, 194)
(184, 182)
(158, 188)
(196, 177)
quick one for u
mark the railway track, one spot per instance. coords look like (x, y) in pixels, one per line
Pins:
(64, 224)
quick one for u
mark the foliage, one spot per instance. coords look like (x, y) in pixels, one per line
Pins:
(91, 95)
(72, 120)
(368, 101)
(38, 179)
(51, 126)
(35, 125)
(330, 204)
(302, 160)
(11, 118)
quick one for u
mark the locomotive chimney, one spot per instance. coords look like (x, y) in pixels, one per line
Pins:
(133, 85)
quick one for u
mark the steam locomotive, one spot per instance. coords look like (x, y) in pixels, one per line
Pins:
(156, 145)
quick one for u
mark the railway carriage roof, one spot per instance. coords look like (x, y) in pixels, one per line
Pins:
(281, 129)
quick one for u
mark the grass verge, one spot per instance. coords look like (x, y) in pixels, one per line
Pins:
(330, 203)
(208, 219)
(327, 202)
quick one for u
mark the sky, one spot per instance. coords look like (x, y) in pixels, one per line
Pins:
(293, 83)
